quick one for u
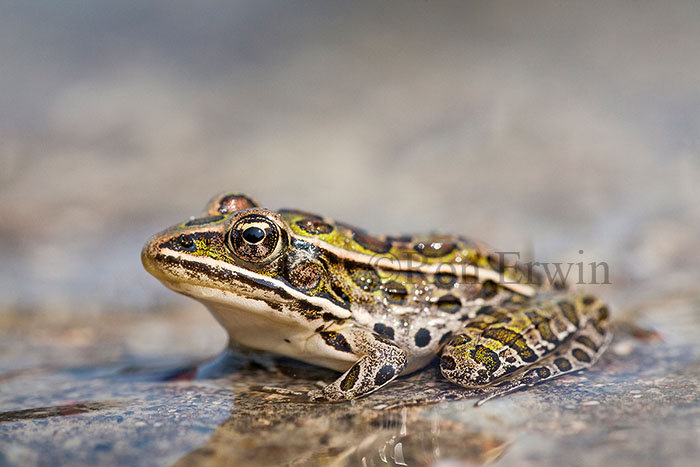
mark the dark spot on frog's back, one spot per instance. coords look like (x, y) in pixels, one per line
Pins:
(445, 280)
(336, 340)
(489, 289)
(449, 304)
(314, 226)
(395, 292)
(364, 277)
(369, 242)
(400, 240)
(435, 248)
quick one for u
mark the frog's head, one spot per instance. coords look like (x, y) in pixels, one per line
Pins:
(242, 257)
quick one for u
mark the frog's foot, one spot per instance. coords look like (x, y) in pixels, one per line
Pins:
(556, 364)
(379, 361)
(504, 352)
(292, 395)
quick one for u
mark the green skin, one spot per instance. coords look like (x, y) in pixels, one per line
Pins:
(375, 307)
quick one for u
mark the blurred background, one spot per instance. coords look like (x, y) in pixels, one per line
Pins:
(552, 128)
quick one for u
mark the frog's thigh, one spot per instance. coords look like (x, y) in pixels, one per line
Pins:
(545, 339)
(379, 362)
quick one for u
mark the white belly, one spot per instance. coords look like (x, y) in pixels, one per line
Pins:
(284, 337)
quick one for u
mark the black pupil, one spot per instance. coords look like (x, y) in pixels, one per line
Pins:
(253, 235)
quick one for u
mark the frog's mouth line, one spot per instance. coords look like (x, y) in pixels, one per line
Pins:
(228, 283)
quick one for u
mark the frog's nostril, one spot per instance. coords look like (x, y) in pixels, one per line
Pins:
(185, 242)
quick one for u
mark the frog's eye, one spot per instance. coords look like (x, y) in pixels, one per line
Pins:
(255, 238)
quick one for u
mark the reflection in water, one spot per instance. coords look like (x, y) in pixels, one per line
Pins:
(266, 429)
(270, 434)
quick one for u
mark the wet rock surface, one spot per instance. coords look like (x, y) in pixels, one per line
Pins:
(640, 405)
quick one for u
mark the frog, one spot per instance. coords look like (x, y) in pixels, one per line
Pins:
(376, 307)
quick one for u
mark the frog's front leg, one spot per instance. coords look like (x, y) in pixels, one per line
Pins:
(504, 349)
(379, 362)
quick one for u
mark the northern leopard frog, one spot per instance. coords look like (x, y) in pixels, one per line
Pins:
(375, 307)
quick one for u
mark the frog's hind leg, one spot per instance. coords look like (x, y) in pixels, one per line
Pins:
(578, 354)
(505, 349)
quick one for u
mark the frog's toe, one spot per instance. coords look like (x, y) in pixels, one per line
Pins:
(317, 395)
(291, 395)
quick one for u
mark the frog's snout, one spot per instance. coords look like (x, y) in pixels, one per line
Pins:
(148, 255)
(160, 255)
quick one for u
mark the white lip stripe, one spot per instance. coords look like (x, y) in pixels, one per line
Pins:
(327, 305)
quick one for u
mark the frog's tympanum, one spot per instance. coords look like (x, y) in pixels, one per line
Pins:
(376, 307)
